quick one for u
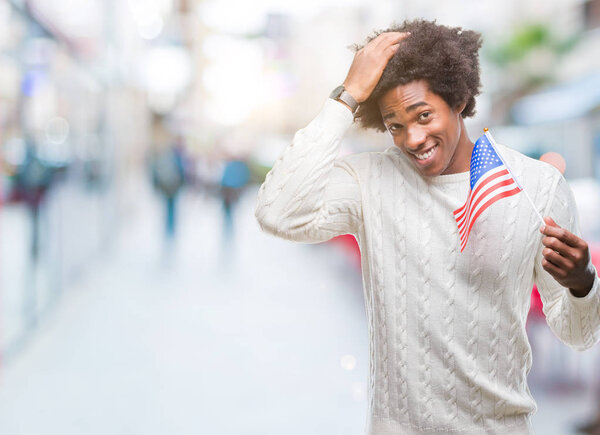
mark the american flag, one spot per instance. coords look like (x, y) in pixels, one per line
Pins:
(491, 180)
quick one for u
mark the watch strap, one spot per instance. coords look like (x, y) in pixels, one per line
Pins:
(349, 100)
(341, 94)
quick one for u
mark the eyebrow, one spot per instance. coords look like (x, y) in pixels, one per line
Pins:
(408, 109)
(414, 106)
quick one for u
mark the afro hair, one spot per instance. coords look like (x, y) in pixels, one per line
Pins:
(447, 58)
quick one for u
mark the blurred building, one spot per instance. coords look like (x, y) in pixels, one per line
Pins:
(79, 82)
(553, 102)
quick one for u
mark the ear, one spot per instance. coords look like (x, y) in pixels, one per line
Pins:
(459, 109)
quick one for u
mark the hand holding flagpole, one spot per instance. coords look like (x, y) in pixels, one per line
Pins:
(566, 255)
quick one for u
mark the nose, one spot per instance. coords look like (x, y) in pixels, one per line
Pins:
(415, 138)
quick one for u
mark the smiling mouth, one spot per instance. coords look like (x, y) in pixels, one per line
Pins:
(426, 155)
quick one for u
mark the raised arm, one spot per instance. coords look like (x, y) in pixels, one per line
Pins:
(310, 195)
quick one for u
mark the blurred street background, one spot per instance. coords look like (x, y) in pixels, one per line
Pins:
(137, 293)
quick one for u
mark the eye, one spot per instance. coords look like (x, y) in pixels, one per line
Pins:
(394, 128)
(424, 116)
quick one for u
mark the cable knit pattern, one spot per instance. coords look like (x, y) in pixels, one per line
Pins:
(314, 183)
(401, 367)
(448, 351)
(497, 299)
(542, 192)
(424, 308)
(377, 266)
(368, 295)
(475, 281)
(566, 331)
(586, 328)
(448, 337)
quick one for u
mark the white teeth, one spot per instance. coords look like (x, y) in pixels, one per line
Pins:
(426, 155)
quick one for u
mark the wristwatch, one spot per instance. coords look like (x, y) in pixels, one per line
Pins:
(341, 94)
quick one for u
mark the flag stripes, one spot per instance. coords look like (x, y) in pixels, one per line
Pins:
(492, 182)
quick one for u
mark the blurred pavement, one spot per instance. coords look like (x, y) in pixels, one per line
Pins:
(201, 337)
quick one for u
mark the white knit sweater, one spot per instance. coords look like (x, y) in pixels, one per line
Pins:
(447, 341)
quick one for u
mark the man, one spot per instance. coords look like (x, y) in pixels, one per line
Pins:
(448, 348)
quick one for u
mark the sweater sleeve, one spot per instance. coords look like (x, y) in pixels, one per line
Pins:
(575, 321)
(309, 195)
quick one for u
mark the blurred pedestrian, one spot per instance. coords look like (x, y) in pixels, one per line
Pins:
(448, 347)
(33, 179)
(168, 176)
(235, 178)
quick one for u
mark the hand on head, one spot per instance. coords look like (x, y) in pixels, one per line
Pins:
(369, 63)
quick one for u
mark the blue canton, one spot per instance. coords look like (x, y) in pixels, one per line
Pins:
(483, 159)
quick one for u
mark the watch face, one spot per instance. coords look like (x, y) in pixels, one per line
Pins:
(335, 94)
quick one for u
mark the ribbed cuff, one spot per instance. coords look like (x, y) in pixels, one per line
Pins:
(585, 301)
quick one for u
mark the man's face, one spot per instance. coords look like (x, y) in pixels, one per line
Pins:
(426, 129)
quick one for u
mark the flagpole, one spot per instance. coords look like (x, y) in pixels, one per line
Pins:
(493, 143)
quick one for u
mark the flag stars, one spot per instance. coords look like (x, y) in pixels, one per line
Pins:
(484, 158)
